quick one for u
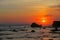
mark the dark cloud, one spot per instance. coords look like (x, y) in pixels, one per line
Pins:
(55, 10)
(55, 6)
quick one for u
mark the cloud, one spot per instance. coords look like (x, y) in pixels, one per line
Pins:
(25, 8)
(26, 5)
(55, 6)
(55, 11)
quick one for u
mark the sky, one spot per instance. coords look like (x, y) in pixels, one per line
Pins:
(27, 11)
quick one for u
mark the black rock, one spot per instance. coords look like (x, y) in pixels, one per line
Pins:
(33, 31)
(50, 39)
(1, 30)
(14, 30)
(56, 24)
(9, 38)
(54, 37)
(35, 25)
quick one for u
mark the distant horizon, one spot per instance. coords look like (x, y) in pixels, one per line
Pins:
(18, 23)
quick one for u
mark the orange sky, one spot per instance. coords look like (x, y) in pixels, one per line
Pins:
(31, 17)
(28, 11)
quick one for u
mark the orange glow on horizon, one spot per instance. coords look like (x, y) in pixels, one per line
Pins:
(45, 20)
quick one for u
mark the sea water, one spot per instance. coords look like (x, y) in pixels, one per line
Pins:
(24, 33)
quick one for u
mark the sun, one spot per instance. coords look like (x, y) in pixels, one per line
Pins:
(43, 21)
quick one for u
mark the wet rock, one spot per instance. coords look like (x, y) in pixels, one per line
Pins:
(32, 30)
(50, 39)
(56, 25)
(1, 38)
(1, 30)
(35, 25)
(14, 30)
(54, 37)
(9, 38)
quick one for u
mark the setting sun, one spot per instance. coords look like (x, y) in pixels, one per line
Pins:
(43, 21)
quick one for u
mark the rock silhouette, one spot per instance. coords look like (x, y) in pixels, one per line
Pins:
(14, 30)
(56, 24)
(35, 25)
(32, 30)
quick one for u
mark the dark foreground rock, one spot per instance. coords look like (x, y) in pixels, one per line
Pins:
(14, 30)
(32, 30)
(56, 24)
(35, 25)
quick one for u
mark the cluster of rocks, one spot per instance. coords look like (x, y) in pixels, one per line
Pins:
(35, 25)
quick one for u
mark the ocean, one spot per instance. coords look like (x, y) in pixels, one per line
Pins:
(25, 33)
